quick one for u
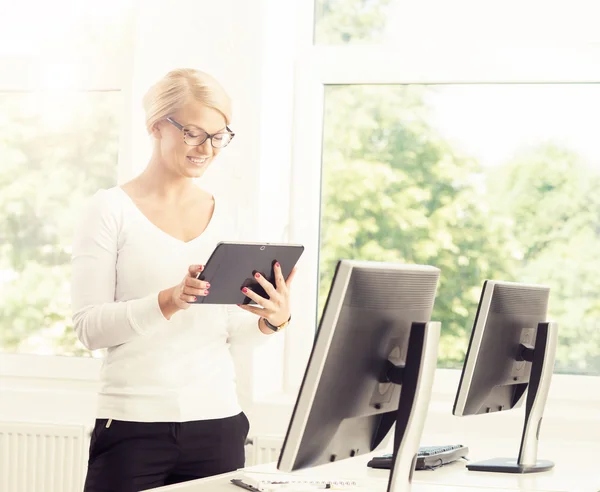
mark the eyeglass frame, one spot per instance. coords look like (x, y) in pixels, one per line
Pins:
(181, 128)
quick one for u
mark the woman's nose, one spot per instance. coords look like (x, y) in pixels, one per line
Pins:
(206, 147)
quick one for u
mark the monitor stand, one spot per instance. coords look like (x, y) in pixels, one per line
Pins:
(542, 364)
(416, 378)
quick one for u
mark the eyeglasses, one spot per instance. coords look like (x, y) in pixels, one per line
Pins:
(194, 136)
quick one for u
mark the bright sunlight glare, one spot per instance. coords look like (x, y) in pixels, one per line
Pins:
(39, 27)
(492, 122)
(508, 21)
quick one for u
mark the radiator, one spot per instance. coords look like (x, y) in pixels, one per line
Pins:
(42, 457)
(263, 449)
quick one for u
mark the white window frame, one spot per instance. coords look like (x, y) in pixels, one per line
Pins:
(319, 66)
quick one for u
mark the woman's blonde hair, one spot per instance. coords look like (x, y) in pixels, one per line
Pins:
(181, 86)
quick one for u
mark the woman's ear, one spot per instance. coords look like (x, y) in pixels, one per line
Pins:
(155, 131)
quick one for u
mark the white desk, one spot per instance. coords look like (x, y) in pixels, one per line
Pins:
(575, 472)
(221, 483)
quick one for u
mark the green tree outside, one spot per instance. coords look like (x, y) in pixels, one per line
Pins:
(394, 190)
(56, 150)
(551, 198)
(349, 21)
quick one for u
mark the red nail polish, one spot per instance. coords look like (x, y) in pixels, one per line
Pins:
(208, 286)
(257, 275)
(244, 290)
(194, 298)
(200, 268)
(277, 265)
(205, 292)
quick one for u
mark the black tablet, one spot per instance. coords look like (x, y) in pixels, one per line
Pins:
(232, 266)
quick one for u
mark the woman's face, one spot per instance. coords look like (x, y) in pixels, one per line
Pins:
(183, 159)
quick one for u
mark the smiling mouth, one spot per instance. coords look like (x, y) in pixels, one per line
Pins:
(198, 161)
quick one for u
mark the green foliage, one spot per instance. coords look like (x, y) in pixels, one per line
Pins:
(553, 203)
(394, 190)
(349, 21)
(56, 149)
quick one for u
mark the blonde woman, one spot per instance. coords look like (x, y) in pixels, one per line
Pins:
(167, 408)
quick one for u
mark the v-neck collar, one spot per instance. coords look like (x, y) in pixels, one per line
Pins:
(163, 232)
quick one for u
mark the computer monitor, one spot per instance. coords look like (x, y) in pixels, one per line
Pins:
(511, 352)
(372, 365)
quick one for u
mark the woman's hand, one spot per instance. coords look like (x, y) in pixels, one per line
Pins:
(276, 309)
(180, 296)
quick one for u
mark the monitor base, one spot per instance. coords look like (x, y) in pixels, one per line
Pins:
(510, 465)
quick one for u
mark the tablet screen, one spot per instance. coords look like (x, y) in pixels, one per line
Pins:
(232, 266)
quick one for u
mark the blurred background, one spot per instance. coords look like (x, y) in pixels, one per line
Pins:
(484, 180)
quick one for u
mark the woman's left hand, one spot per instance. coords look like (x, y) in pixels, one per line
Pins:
(276, 309)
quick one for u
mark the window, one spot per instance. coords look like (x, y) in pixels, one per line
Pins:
(60, 113)
(351, 21)
(402, 23)
(56, 150)
(400, 114)
(485, 181)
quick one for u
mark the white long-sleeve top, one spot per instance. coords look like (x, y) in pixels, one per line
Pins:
(155, 370)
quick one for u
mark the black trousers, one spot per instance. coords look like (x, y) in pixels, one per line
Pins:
(134, 456)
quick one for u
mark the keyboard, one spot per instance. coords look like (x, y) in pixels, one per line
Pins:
(428, 457)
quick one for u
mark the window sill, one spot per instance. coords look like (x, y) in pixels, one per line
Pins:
(49, 367)
(569, 390)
